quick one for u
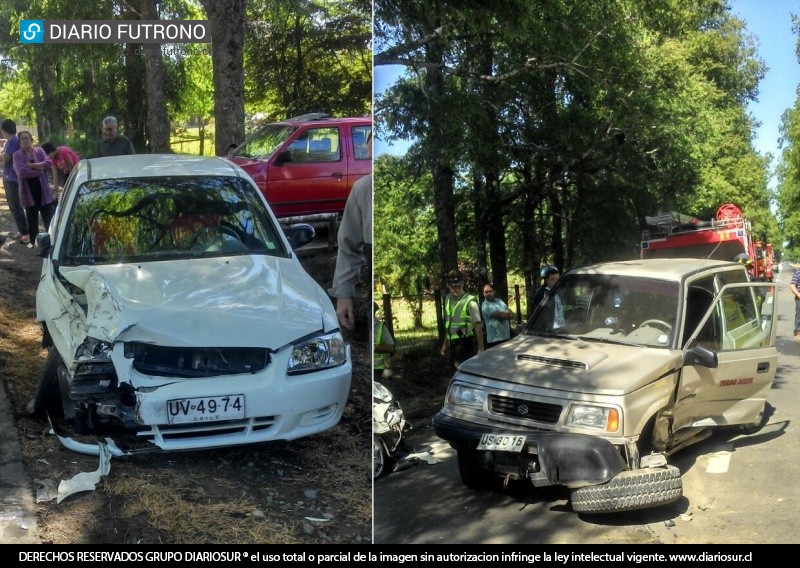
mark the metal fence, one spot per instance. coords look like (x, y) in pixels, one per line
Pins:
(423, 315)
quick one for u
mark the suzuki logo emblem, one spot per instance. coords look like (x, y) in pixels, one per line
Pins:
(522, 409)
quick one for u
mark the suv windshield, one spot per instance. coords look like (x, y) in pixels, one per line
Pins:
(264, 142)
(641, 311)
(167, 218)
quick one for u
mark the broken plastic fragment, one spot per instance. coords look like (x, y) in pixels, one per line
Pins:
(88, 480)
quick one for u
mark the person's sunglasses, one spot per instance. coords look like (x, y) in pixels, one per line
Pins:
(452, 282)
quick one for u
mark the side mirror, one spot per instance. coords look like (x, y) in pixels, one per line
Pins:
(283, 158)
(300, 234)
(699, 355)
(42, 244)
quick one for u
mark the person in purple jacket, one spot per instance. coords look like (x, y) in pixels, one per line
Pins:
(31, 165)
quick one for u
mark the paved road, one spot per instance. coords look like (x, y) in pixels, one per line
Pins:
(737, 489)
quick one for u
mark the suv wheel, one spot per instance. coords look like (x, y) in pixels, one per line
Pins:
(756, 426)
(630, 490)
(473, 474)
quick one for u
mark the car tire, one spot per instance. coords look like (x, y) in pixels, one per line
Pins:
(47, 398)
(473, 474)
(630, 490)
(756, 426)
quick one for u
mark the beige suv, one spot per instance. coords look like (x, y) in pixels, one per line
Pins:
(649, 356)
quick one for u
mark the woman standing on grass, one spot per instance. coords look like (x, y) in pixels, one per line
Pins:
(32, 164)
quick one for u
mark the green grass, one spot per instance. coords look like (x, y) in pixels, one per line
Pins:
(417, 342)
(188, 141)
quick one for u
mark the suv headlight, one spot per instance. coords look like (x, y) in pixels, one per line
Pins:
(317, 353)
(462, 395)
(600, 417)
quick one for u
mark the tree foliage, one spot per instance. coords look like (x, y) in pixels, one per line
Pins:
(309, 56)
(788, 170)
(65, 90)
(550, 130)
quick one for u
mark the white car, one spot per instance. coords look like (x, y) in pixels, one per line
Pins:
(177, 315)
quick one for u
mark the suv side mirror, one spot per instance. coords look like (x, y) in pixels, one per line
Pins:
(699, 355)
(42, 244)
(283, 158)
(300, 234)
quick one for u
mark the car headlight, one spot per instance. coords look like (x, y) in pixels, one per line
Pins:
(317, 353)
(601, 417)
(462, 395)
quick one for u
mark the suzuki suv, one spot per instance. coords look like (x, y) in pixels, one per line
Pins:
(306, 166)
(647, 357)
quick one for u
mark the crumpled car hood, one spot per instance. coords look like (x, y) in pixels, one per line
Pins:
(241, 301)
(574, 365)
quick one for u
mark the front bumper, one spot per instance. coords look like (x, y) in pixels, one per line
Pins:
(548, 458)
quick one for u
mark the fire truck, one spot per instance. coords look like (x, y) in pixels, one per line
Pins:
(728, 236)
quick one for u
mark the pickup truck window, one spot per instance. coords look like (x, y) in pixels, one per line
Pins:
(360, 149)
(316, 145)
(265, 142)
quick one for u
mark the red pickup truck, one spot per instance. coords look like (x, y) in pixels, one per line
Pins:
(306, 166)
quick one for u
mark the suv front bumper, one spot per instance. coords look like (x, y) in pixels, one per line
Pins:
(548, 458)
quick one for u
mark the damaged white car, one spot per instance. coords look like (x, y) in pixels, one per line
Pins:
(177, 315)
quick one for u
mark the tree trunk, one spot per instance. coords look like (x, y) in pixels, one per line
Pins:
(134, 116)
(441, 169)
(480, 204)
(157, 119)
(227, 19)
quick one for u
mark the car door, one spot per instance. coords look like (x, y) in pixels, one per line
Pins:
(308, 174)
(740, 329)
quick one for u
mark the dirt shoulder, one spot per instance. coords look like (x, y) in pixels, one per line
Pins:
(308, 491)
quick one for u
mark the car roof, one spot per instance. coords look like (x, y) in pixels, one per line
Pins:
(675, 269)
(321, 118)
(157, 165)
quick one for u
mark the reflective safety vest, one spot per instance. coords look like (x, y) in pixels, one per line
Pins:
(457, 316)
(378, 359)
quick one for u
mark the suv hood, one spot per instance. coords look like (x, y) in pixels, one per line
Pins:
(241, 301)
(574, 365)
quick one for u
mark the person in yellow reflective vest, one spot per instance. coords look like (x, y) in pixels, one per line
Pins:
(463, 326)
(383, 344)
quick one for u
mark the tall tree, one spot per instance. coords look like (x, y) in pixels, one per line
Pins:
(314, 54)
(157, 119)
(576, 119)
(227, 19)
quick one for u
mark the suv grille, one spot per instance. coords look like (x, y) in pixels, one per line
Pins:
(527, 409)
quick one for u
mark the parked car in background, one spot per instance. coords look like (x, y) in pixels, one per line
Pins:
(624, 364)
(306, 166)
(177, 315)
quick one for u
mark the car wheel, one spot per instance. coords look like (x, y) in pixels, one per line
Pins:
(630, 490)
(47, 398)
(759, 423)
(473, 474)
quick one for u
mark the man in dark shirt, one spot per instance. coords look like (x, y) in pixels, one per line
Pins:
(113, 144)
